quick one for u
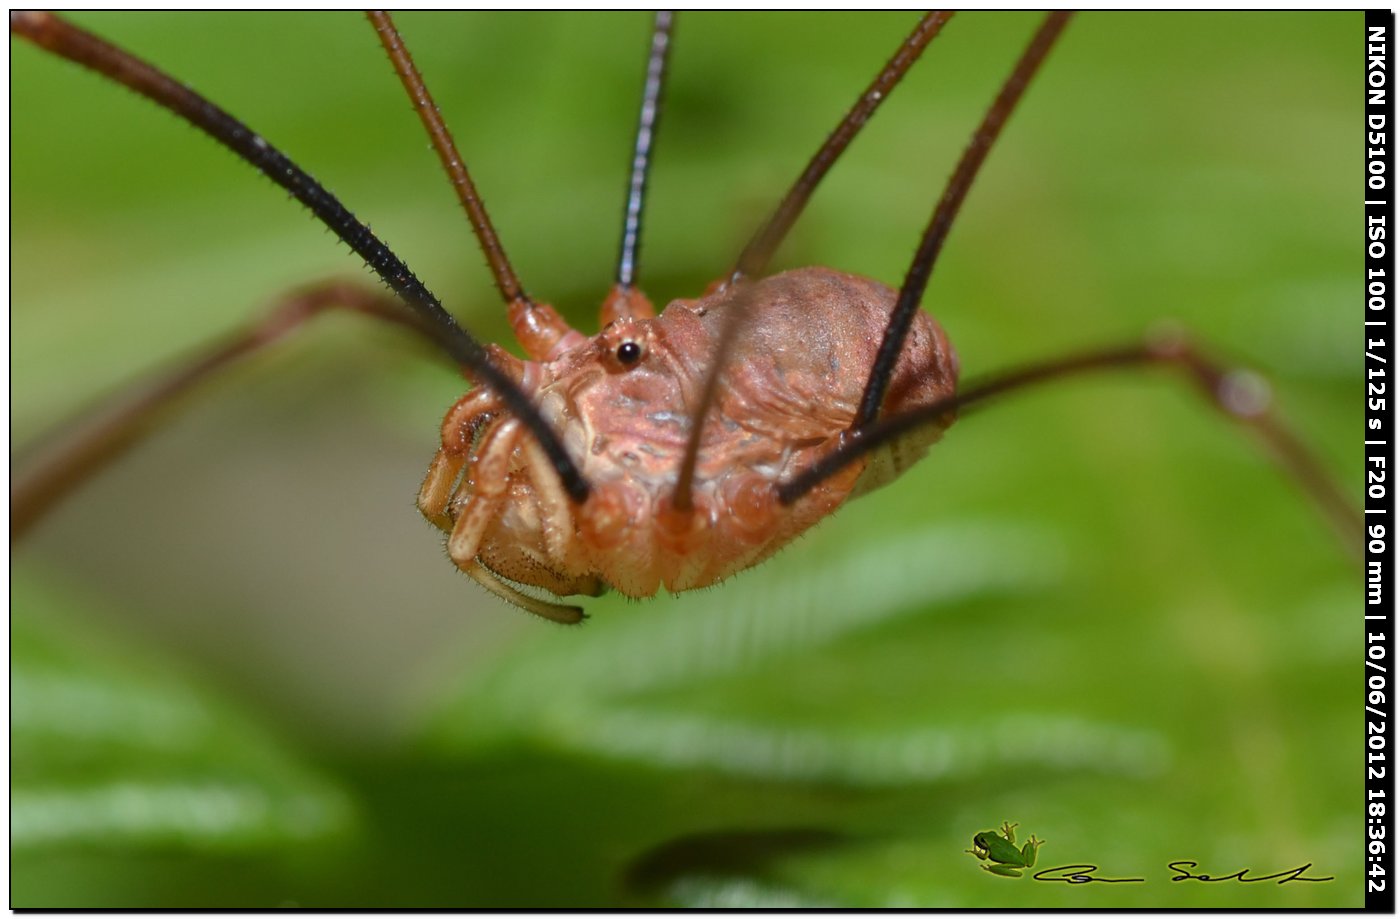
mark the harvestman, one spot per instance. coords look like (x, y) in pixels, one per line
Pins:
(669, 450)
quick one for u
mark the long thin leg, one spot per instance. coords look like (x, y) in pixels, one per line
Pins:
(756, 255)
(86, 446)
(538, 327)
(1238, 394)
(66, 40)
(506, 280)
(625, 300)
(760, 249)
(912, 292)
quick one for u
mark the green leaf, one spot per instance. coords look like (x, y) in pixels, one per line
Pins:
(114, 749)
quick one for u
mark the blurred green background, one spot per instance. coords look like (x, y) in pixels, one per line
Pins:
(245, 675)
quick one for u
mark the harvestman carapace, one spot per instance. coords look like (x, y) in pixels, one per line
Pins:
(668, 450)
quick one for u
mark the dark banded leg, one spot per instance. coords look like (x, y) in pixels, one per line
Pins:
(1238, 394)
(756, 255)
(626, 300)
(911, 293)
(753, 261)
(60, 37)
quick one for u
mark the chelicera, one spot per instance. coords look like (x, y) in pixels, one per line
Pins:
(670, 450)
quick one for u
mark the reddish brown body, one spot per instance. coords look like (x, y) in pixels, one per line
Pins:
(645, 466)
(624, 402)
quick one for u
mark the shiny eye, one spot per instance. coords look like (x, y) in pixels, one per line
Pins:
(628, 353)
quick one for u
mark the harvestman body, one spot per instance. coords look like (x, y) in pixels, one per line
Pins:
(669, 450)
(622, 401)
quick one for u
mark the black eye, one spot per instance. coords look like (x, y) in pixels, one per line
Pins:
(629, 352)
